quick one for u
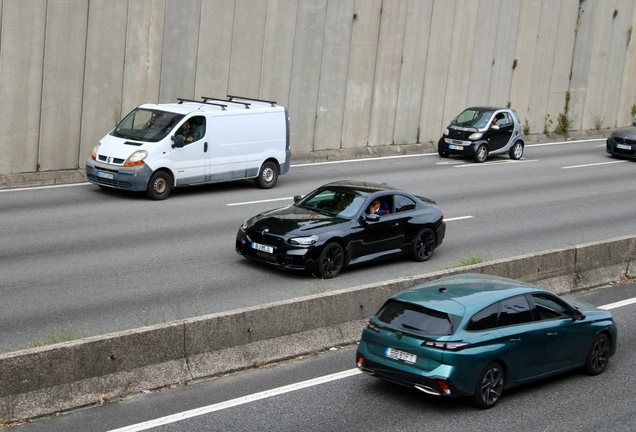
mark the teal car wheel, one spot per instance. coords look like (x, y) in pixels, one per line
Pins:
(599, 355)
(489, 386)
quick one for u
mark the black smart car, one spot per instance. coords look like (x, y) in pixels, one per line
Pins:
(331, 228)
(622, 143)
(478, 132)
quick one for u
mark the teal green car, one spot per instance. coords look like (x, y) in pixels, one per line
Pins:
(476, 335)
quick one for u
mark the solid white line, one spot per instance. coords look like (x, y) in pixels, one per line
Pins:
(236, 402)
(44, 187)
(618, 304)
(259, 201)
(274, 392)
(365, 159)
(594, 164)
(564, 142)
(503, 162)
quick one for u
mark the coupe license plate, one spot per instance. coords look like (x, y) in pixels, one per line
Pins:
(623, 146)
(455, 147)
(105, 175)
(262, 248)
(400, 355)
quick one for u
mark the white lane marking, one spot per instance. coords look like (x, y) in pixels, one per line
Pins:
(618, 304)
(502, 162)
(236, 402)
(259, 201)
(274, 392)
(564, 142)
(364, 159)
(458, 218)
(593, 164)
(44, 187)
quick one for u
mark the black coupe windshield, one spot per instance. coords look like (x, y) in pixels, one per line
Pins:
(472, 118)
(146, 125)
(332, 202)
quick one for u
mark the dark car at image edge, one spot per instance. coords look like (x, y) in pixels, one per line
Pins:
(622, 143)
(329, 229)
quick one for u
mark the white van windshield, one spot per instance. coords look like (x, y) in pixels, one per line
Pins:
(146, 125)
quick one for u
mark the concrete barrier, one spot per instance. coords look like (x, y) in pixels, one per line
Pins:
(44, 380)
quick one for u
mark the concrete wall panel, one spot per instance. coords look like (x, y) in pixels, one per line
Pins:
(247, 47)
(520, 91)
(416, 42)
(627, 98)
(307, 58)
(333, 74)
(364, 46)
(180, 47)
(103, 80)
(483, 55)
(581, 61)
(387, 72)
(144, 41)
(278, 50)
(503, 62)
(21, 61)
(215, 49)
(437, 68)
(461, 59)
(63, 84)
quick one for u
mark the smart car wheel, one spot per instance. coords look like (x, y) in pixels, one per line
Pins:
(516, 151)
(443, 153)
(481, 154)
(330, 261)
(268, 176)
(598, 356)
(424, 245)
(159, 186)
(489, 386)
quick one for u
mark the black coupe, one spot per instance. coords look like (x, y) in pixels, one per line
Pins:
(333, 227)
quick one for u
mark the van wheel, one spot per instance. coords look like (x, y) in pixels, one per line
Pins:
(268, 176)
(159, 186)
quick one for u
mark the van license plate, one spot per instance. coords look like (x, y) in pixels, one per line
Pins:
(455, 147)
(623, 146)
(262, 248)
(105, 175)
(400, 355)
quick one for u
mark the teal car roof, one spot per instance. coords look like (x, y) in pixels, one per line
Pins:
(465, 293)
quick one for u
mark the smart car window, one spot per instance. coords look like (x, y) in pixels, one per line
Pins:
(515, 310)
(549, 307)
(146, 125)
(403, 203)
(472, 118)
(484, 319)
(414, 317)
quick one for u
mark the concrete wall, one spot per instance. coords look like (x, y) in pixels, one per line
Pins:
(353, 73)
(44, 380)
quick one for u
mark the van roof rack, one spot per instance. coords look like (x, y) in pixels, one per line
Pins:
(181, 100)
(230, 97)
(246, 104)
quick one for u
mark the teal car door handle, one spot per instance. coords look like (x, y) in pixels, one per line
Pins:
(515, 340)
(552, 334)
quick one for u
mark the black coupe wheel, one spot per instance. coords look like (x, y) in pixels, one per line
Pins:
(330, 261)
(516, 151)
(481, 154)
(268, 176)
(424, 245)
(159, 186)
(598, 356)
(489, 386)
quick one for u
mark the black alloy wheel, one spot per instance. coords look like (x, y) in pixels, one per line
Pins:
(331, 260)
(424, 245)
(489, 386)
(598, 356)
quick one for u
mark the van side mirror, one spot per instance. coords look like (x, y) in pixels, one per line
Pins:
(179, 141)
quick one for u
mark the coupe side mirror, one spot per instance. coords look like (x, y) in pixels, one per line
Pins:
(297, 198)
(371, 217)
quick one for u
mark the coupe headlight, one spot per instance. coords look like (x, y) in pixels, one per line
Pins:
(304, 241)
(94, 152)
(244, 226)
(475, 136)
(137, 158)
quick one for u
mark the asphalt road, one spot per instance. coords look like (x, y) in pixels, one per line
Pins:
(325, 393)
(78, 261)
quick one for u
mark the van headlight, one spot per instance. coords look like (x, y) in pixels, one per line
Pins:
(137, 158)
(94, 152)
(304, 241)
(475, 136)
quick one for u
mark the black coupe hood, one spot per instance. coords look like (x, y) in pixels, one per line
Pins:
(295, 221)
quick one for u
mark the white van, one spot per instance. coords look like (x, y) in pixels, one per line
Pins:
(158, 147)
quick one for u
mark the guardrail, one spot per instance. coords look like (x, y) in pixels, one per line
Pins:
(59, 377)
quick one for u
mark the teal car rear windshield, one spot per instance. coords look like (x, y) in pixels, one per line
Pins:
(413, 317)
